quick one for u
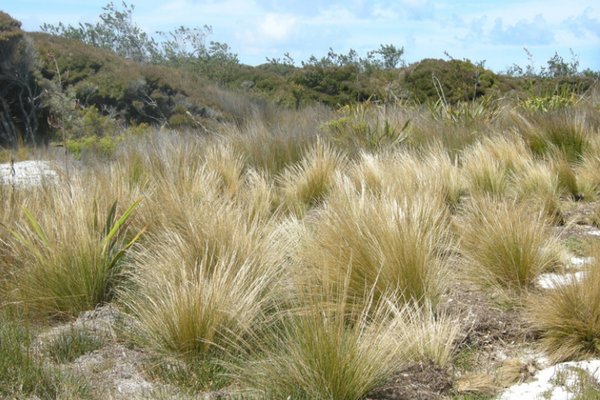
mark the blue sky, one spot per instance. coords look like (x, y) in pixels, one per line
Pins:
(495, 31)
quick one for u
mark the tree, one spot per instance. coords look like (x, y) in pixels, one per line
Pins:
(391, 56)
(20, 103)
(116, 31)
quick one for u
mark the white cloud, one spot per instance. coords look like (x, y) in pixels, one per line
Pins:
(268, 31)
(523, 33)
(278, 27)
(583, 24)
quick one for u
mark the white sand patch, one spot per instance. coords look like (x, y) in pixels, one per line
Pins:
(558, 382)
(579, 262)
(552, 281)
(27, 173)
(593, 231)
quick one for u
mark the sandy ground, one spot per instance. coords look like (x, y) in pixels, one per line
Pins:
(557, 382)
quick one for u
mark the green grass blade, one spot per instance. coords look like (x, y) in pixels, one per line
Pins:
(36, 227)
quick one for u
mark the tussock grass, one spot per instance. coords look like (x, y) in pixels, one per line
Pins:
(305, 185)
(567, 317)
(69, 259)
(439, 173)
(367, 172)
(424, 333)
(321, 349)
(488, 169)
(228, 165)
(189, 312)
(491, 164)
(392, 244)
(506, 245)
(271, 148)
(208, 272)
(539, 186)
(569, 183)
(562, 131)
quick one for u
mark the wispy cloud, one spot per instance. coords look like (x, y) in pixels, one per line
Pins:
(584, 24)
(523, 33)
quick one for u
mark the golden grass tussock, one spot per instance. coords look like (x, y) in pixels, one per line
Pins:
(189, 310)
(490, 165)
(228, 164)
(325, 347)
(588, 170)
(394, 244)
(304, 185)
(506, 245)
(567, 317)
(211, 268)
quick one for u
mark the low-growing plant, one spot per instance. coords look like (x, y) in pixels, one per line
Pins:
(23, 375)
(190, 375)
(72, 343)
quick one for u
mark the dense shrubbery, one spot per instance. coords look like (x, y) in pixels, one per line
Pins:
(85, 80)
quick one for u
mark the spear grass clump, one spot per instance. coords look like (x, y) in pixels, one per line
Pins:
(77, 265)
